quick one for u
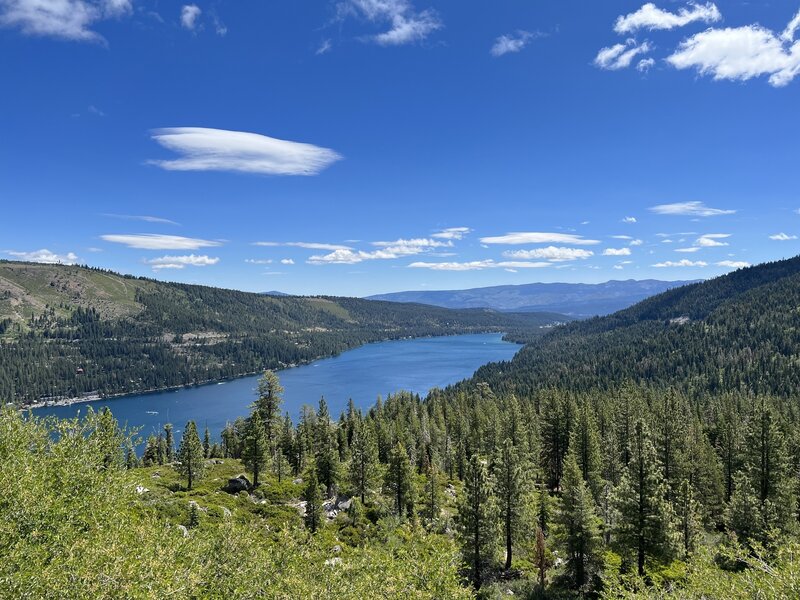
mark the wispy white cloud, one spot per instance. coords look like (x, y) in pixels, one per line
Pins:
(690, 249)
(629, 219)
(64, 19)
(551, 253)
(478, 265)
(287, 261)
(512, 42)
(306, 245)
(711, 240)
(387, 251)
(145, 218)
(205, 149)
(258, 261)
(537, 237)
(733, 264)
(324, 47)
(617, 252)
(179, 262)
(45, 256)
(644, 65)
(636, 242)
(690, 209)
(742, 53)
(452, 233)
(155, 241)
(406, 24)
(620, 56)
(650, 17)
(782, 237)
(189, 15)
(681, 263)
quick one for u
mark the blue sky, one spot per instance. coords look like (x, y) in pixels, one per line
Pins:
(365, 146)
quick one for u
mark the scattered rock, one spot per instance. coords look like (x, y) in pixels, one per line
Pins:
(183, 530)
(140, 489)
(238, 484)
(336, 549)
(226, 512)
(298, 481)
(344, 504)
(332, 562)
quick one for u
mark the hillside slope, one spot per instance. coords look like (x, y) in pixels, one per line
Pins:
(575, 299)
(738, 331)
(68, 330)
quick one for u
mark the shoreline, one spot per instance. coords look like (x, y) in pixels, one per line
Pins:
(95, 397)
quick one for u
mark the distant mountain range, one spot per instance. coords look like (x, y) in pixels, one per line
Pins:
(574, 299)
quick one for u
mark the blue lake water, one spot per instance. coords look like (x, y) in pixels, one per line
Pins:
(362, 374)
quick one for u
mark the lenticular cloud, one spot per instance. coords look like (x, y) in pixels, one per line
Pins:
(205, 149)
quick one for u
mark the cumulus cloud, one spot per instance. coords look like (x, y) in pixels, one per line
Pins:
(617, 252)
(205, 149)
(155, 241)
(452, 233)
(64, 19)
(636, 242)
(189, 15)
(733, 264)
(536, 237)
(45, 256)
(406, 24)
(620, 56)
(179, 262)
(782, 237)
(649, 16)
(691, 209)
(681, 263)
(742, 53)
(478, 265)
(287, 261)
(511, 42)
(551, 253)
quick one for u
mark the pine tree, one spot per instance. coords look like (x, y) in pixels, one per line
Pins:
(268, 407)
(543, 509)
(255, 451)
(190, 455)
(363, 461)
(687, 511)
(744, 515)
(645, 519)
(555, 437)
(578, 527)
(150, 456)
(326, 455)
(432, 494)
(207, 443)
(400, 480)
(108, 437)
(585, 443)
(194, 516)
(131, 460)
(540, 557)
(161, 449)
(510, 490)
(170, 443)
(477, 519)
(313, 498)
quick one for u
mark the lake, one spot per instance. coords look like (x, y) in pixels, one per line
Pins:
(416, 365)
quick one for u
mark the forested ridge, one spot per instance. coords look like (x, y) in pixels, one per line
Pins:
(66, 331)
(735, 332)
(619, 483)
